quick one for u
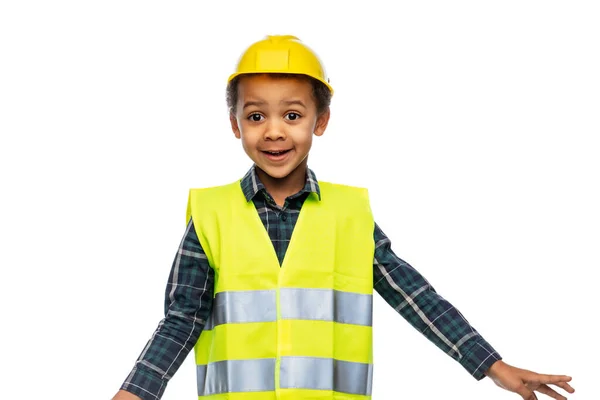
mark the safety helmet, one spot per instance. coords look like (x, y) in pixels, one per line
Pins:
(281, 54)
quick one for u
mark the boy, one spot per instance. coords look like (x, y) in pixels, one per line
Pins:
(272, 285)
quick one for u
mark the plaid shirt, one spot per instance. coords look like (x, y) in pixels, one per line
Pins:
(189, 295)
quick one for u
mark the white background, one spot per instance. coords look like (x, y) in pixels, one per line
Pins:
(474, 124)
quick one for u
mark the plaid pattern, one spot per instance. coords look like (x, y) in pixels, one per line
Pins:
(188, 297)
(279, 221)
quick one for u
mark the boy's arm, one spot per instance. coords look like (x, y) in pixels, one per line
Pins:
(405, 289)
(188, 301)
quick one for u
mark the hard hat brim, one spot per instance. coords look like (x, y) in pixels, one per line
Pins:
(235, 75)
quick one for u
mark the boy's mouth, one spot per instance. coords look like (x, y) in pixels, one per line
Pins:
(275, 153)
(276, 156)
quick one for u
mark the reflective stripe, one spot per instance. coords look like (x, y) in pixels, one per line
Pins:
(327, 305)
(326, 374)
(296, 373)
(305, 304)
(210, 322)
(236, 376)
(247, 306)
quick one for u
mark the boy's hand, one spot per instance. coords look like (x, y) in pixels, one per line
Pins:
(124, 395)
(525, 382)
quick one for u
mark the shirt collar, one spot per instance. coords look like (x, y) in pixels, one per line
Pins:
(251, 184)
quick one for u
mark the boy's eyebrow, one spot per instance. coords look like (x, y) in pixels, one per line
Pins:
(293, 102)
(257, 103)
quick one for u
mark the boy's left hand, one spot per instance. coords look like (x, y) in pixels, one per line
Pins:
(525, 382)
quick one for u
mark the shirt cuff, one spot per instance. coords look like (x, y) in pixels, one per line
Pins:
(145, 383)
(479, 358)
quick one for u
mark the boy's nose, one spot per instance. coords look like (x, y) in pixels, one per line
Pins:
(274, 131)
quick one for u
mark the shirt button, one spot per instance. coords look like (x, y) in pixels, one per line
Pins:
(283, 217)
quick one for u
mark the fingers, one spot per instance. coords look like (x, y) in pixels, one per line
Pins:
(533, 380)
(556, 378)
(544, 378)
(525, 393)
(550, 392)
(565, 386)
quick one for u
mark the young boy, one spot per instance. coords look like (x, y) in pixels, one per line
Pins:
(273, 281)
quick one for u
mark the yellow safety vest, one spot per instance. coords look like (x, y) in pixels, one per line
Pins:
(302, 330)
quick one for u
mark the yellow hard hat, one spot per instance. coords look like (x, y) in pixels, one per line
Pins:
(281, 54)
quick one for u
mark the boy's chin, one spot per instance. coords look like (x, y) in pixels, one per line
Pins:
(277, 173)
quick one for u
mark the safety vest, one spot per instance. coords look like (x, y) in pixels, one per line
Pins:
(302, 330)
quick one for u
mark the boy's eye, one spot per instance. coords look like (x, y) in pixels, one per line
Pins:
(255, 117)
(292, 116)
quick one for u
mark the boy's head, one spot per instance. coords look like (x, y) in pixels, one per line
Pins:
(278, 98)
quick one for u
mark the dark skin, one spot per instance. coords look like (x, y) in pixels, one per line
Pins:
(526, 383)
(278, 114)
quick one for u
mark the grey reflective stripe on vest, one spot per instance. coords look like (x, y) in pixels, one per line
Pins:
(246, 306)
(327, 305)
(303, 304)
(326, 374)
(236, 376)
(296, 373)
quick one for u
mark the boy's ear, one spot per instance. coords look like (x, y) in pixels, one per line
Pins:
(234, 125)
(322, 121)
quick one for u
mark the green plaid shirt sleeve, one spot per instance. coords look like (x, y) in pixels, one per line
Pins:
(413, 297)
(188, 301)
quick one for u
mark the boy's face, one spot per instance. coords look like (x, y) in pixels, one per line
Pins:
(275, 119)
